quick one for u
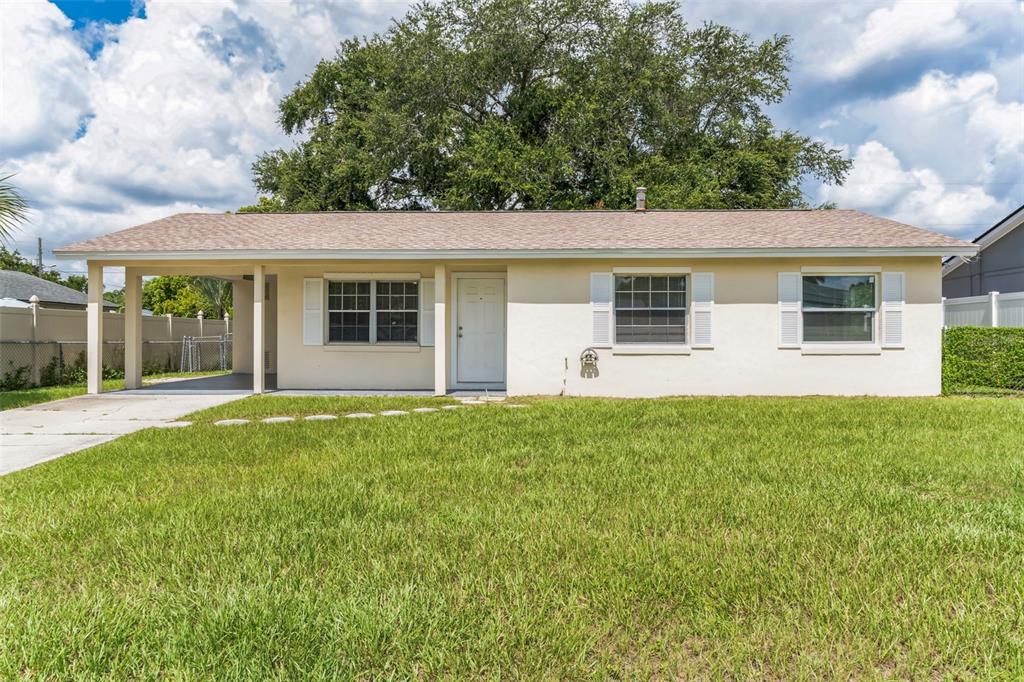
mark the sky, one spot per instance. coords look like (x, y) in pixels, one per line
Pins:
(115, 113)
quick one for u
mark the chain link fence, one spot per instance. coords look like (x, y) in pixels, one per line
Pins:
(205, 353)
(57, 363)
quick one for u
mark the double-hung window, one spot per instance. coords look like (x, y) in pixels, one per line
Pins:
(650, 309)
(839, 308)
(373, 311)
(397, 311)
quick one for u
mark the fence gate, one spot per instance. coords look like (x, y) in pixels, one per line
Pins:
(205, 353)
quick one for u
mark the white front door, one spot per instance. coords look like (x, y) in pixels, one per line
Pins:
(480, 331)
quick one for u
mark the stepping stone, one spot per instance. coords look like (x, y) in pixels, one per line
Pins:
(393, 413)
(474, 402)
(173, 425)
(278, 420)
(320, 417)
(359, 415)
(231, 422)
(513, 405)
(493, 399)
(424, 409)
(450, 407)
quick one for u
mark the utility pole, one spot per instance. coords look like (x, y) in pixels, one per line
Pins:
(39, 255)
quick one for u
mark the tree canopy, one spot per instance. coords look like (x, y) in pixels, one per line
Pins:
(184, 296)
(537, 104)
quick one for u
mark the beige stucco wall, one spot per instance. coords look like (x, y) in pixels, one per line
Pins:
(241, 330)
(549, 325)
(344, 366)
(340, 366)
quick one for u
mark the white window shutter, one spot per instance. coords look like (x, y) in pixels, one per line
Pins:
(313, 312)
(893, 301)
(790, 315)
(426, 312)
(602, 285)
(703, 302)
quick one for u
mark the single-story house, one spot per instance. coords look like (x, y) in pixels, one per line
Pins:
(998, 266)
(598, 303)
(21, 286)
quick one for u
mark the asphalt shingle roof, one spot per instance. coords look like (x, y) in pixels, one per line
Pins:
(22, 286)
(514, 230)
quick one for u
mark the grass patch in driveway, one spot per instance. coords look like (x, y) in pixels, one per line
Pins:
(23, 397)
(574, 538)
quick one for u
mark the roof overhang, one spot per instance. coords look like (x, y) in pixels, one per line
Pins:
(508, 254)
(989, 237)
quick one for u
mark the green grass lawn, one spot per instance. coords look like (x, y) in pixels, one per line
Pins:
(692, 538)
(44, 394)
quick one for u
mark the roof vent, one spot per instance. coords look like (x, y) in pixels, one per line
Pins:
(641, 198)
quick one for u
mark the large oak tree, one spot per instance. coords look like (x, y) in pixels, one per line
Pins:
(536, 104)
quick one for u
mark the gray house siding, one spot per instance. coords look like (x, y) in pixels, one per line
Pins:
(998, 267)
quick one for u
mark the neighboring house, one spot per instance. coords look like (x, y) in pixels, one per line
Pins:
(613, 303)
(22, 286)
(999, 265)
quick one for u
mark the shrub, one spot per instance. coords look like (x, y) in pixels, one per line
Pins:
(983, 356)
(15, 379)
(76, 371)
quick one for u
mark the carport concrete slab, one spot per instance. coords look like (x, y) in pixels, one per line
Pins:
(38, 433)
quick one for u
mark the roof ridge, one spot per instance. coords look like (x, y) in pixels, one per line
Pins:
(520, 211)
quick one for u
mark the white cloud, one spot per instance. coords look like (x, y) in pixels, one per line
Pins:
(919, 196)
(169, 116)
(905, 26)
(44, 76)
(957, 125)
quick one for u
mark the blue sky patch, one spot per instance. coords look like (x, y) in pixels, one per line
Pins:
(109, 11)
(90, 17)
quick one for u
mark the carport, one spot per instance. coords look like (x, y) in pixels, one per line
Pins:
(254, 333)
(224, 384)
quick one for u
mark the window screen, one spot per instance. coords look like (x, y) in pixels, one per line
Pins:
(650, 309)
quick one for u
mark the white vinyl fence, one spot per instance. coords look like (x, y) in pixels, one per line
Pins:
(993, 310)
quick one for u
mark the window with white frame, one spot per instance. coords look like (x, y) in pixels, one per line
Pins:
(839, 308)
(397, 311)
(372, 311)
(650, 309)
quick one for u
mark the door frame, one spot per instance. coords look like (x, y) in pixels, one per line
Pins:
(453, 331)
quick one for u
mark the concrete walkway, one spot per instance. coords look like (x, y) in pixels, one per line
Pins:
(38, 433)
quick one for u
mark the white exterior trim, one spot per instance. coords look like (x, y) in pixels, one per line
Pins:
(840, 269)
(363, 276)
(510, 254)
(865, 348)
(651, 349)
(665, 270)
(1000, 230)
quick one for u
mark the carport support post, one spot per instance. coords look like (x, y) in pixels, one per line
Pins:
(440, 330)
(94, 330)
(258, 288)
(132, 328)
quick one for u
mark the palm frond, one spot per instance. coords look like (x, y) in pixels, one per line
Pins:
(13, 208)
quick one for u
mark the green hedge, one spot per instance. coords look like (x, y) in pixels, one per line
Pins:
(983, 356)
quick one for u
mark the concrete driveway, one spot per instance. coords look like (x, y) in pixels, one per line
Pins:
(38, 433)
